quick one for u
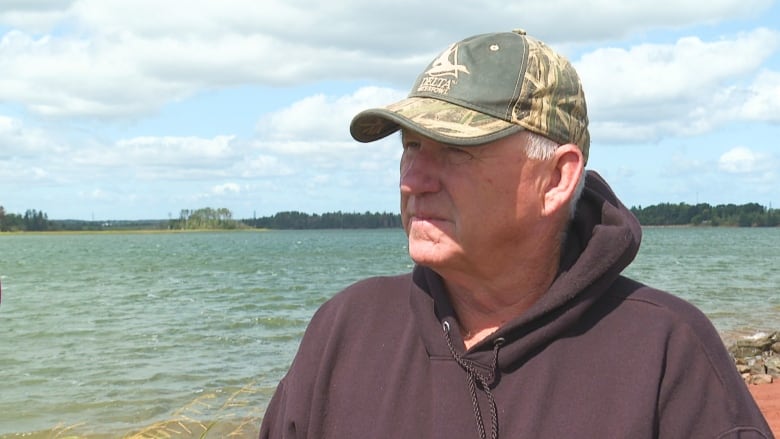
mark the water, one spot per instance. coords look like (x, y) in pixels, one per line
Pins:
(732, 274)
(105, 334)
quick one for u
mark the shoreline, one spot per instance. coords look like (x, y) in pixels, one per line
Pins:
(767, 396)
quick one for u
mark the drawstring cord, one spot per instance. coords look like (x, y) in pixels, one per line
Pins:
(472, 376)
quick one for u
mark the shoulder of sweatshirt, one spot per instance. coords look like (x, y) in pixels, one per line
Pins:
(684, 325)
(369, 298)
(695, 349)
(372, 291)
(665, 305)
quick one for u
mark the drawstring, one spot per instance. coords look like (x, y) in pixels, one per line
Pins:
(472, 376)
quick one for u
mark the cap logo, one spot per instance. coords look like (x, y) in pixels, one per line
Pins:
(443, 72)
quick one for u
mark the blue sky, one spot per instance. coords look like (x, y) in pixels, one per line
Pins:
(137, 109)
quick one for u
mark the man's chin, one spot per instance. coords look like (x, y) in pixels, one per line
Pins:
(431, 254)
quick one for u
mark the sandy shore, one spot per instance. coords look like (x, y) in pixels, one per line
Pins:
(768, 398)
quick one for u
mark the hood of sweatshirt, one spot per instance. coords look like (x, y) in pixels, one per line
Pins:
(603, 238)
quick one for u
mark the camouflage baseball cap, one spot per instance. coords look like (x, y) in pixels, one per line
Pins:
(484, 88)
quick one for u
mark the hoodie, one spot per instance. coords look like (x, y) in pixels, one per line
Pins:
(597, 356)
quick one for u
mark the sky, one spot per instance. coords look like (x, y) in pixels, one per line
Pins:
(139, 109)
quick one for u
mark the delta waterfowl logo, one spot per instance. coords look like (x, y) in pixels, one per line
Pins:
(443, 72)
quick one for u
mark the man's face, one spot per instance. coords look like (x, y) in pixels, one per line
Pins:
(469, 209)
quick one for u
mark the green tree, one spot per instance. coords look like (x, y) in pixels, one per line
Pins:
(745, 215)
(205, 218)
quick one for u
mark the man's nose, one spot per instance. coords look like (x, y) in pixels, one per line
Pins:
(420, 171)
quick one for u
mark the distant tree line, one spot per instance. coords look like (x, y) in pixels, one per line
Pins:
(333, 220)
(32, 220)
(116, 225)
(664, 214)
(702, 214)
(204, 219)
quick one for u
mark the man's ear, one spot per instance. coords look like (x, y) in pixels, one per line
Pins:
(566, 169)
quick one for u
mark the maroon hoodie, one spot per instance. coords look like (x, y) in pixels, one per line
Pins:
(598, 356)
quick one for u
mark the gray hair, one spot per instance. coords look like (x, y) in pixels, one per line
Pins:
(539, 147)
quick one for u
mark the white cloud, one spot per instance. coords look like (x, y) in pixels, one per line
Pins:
(611, 19)
(680, 164)
(164, 158)
(650, 73)
(227, 188)
(372, 22)
(13, 172)
(689, 87)
(97, 194)
(312, 134)
(159, 152)
(743, 160)
(127, 58)
(762, 102)
(19, 140)
(34, 15)
(263, 166)
(320, 118)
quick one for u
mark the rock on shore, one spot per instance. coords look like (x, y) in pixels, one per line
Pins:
(758, 357)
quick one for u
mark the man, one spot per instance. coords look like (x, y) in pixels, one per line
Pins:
(515, 321)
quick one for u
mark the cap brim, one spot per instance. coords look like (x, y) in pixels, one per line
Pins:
(439, 120)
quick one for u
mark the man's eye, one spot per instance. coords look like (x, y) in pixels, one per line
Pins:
(457, 155)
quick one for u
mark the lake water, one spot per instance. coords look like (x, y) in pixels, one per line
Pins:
(102, 335)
